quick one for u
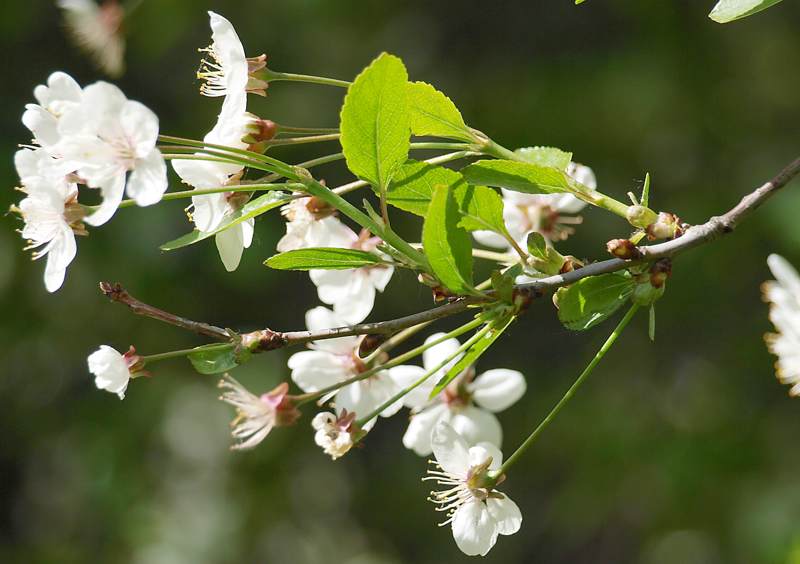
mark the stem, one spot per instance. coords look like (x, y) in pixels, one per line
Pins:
(184, 352)
(306, 130)
(568, 395)
(217, 190)
(398, 360)
(287, 169)
(471, 341)
(271, 75)
(302, 140)
(491, 255)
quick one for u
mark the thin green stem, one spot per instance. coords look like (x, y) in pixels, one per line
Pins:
(243, 152)
(398, 360)
(496, 257)
(221, 189)
(306, 130)
(270, 75)
(568, 395)
(184, 352)
(303, 139)
(469, 342)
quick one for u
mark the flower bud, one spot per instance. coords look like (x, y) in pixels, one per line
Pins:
(369, 343)
(660, 271)
(570, 263)
(666, 226)
(623, 248)
(259, 130)
(640, 216)
(336, 435)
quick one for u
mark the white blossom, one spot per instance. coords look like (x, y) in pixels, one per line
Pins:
(334, 434)
(332, 361)
(476, 511)
(784, 295)
(256, 416)
(117, 136)
(50, 212)
(111, 369)
(225, 73)
(58, 97)
(97, 29)
(352, 292)
(468, 404)
(311, 223)
(548, 214)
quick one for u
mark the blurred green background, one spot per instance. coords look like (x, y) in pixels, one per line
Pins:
(678, 451)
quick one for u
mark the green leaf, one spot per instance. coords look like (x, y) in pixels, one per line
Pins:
(651, 323)
(503, 285)
(251, 209)
(447, 246)
(325, 258)
(546, 156)
(215, 360)
(645, 199)
(729, 10)
(472, 354)
(433, 113)
(591, 300)
(537, 246)
(412, 187)
(480, 208)
(519, 176)
(375, 122)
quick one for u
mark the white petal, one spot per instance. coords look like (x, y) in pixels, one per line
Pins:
(450, 449)
(497, 389)
(112, 189)
(140, 125)
(505, 513)
(61, 253)
(482, 452)
(785, 273)
(148, 181)
(582, 174)
(248, 228)
(314, 370)
(110, 370)
(199, 174)
(380, 276)
(476, 425)
(319, 318)
(474, 530)
(437, 353)
(230, 245)
(405, 375)
(490, 239)
(418, 435)
(42, 124)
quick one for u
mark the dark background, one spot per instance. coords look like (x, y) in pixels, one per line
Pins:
(682, 451)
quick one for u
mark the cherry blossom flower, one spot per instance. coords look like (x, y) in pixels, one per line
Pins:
(352, 292)
(59, 96)
(468, 404)
(118, 136)
(312, 223)
(50, 211)
(332, 361)
(97, 30)
(256, 416)
(334, 434)
(783, 293)
(549, 214)
(112, 370)
(476, 511)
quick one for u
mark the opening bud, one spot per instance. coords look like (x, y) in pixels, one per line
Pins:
(666, 226)
(640, 216)
(623, 248)
(259, 131)
(336, 435)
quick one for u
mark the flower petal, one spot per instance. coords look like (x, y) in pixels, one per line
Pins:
(230, 245)
(474, 529)
(405, 375)
(112, 188)
(418, 435)
(314, 370)
(148, 181)
(506, 514)
(482, 452)
(450, 449)
(476, 425)
(61, 252)
(498, 389)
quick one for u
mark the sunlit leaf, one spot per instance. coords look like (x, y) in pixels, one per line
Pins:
(447, 246)
(591, 300)
(729, 10)
(433, 113)
(324, 258)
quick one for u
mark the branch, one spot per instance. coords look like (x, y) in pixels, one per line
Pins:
(119, 294)
(267, 339)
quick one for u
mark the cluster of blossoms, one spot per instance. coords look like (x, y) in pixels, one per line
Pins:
(94, 138)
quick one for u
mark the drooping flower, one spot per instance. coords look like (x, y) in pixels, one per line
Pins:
(335, 435)
(97, 30)
(112, 370)
(783, 293)
(256, 415)
(60, 96)
(476, 511)
(118, 136)
(332, 361)
(352, 292)
(50, 211)
(468, 403)
(549, 214)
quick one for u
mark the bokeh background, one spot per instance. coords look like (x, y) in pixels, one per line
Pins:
(680, 451)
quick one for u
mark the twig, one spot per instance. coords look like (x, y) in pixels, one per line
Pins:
(268, 339)
(118, 294)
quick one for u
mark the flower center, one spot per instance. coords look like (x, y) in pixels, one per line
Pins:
(212, 74)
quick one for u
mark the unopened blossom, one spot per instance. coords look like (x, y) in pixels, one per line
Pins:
(115, 150)
(61, 95)
(112, 370)
(552, 215)
(476, 512)
(334, 434)
(468, 403)
(50, 211)
(97, 30)
(783, 293)
(351, 292)
(312, 223)
(256, 415)
(332, 361)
